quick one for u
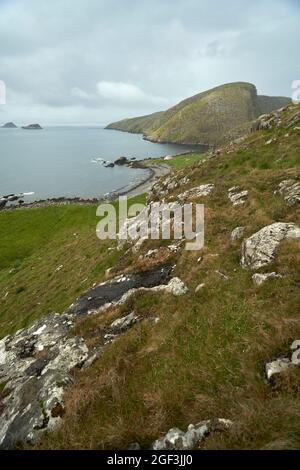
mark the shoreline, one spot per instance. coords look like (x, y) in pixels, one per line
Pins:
(154, 173)
(193, 146)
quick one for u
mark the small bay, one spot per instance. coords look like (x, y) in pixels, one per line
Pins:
(65, 161)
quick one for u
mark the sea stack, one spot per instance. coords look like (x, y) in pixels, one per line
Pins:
(32, 127)
(9, 125)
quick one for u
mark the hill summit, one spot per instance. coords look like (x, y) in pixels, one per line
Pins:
(212, 117)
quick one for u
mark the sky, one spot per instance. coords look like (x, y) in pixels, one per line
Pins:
(96, 61)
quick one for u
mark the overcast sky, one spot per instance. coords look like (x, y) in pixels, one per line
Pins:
(94, 61)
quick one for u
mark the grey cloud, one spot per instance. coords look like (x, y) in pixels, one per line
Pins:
(100, 60)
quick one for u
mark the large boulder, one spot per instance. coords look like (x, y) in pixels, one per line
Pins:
(259, 250)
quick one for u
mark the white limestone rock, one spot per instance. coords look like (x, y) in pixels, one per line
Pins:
(237, 196)
(260, 279)
(278, 366)
(175, 439)
(203, 190)
(290, 190)
(259, 250)
(237, 233)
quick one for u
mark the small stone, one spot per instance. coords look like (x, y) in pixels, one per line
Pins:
(222, 275)
(199, 287)
(278, 366)
(108, 272)
(151, 253)
(173, 248)
(237, 233)
(124, 323)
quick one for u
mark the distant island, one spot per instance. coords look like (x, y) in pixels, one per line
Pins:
(9, 125)
(213, 117)
(32, 127)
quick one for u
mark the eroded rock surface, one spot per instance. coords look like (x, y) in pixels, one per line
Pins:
(36, 363)
(112, 291)
(35, 367)
(259, 250)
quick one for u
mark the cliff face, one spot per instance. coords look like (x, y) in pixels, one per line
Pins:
(210, 118)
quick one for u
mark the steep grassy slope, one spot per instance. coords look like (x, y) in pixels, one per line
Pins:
(48, 257)
(211, 117)
(139, 124)
(205, 356)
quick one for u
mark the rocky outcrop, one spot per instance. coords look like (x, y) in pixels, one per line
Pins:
(121, 161)
(203, 190)
(175, 439)
(267, 121)
(290, 190)
(9, 198)
(36, 363)
(111, 292)
(163, 187)
(237, 196)
(35, 368)
(259, 250)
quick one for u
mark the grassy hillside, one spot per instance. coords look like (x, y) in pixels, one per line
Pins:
(211, 117)
(48, 257)
(205, 356)
(139, 124)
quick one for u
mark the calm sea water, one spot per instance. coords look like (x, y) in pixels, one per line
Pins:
(59, 161)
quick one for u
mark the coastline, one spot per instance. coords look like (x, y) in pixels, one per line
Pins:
(154, 172)
(189, 145)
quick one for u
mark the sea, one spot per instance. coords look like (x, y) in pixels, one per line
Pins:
(69, 161)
